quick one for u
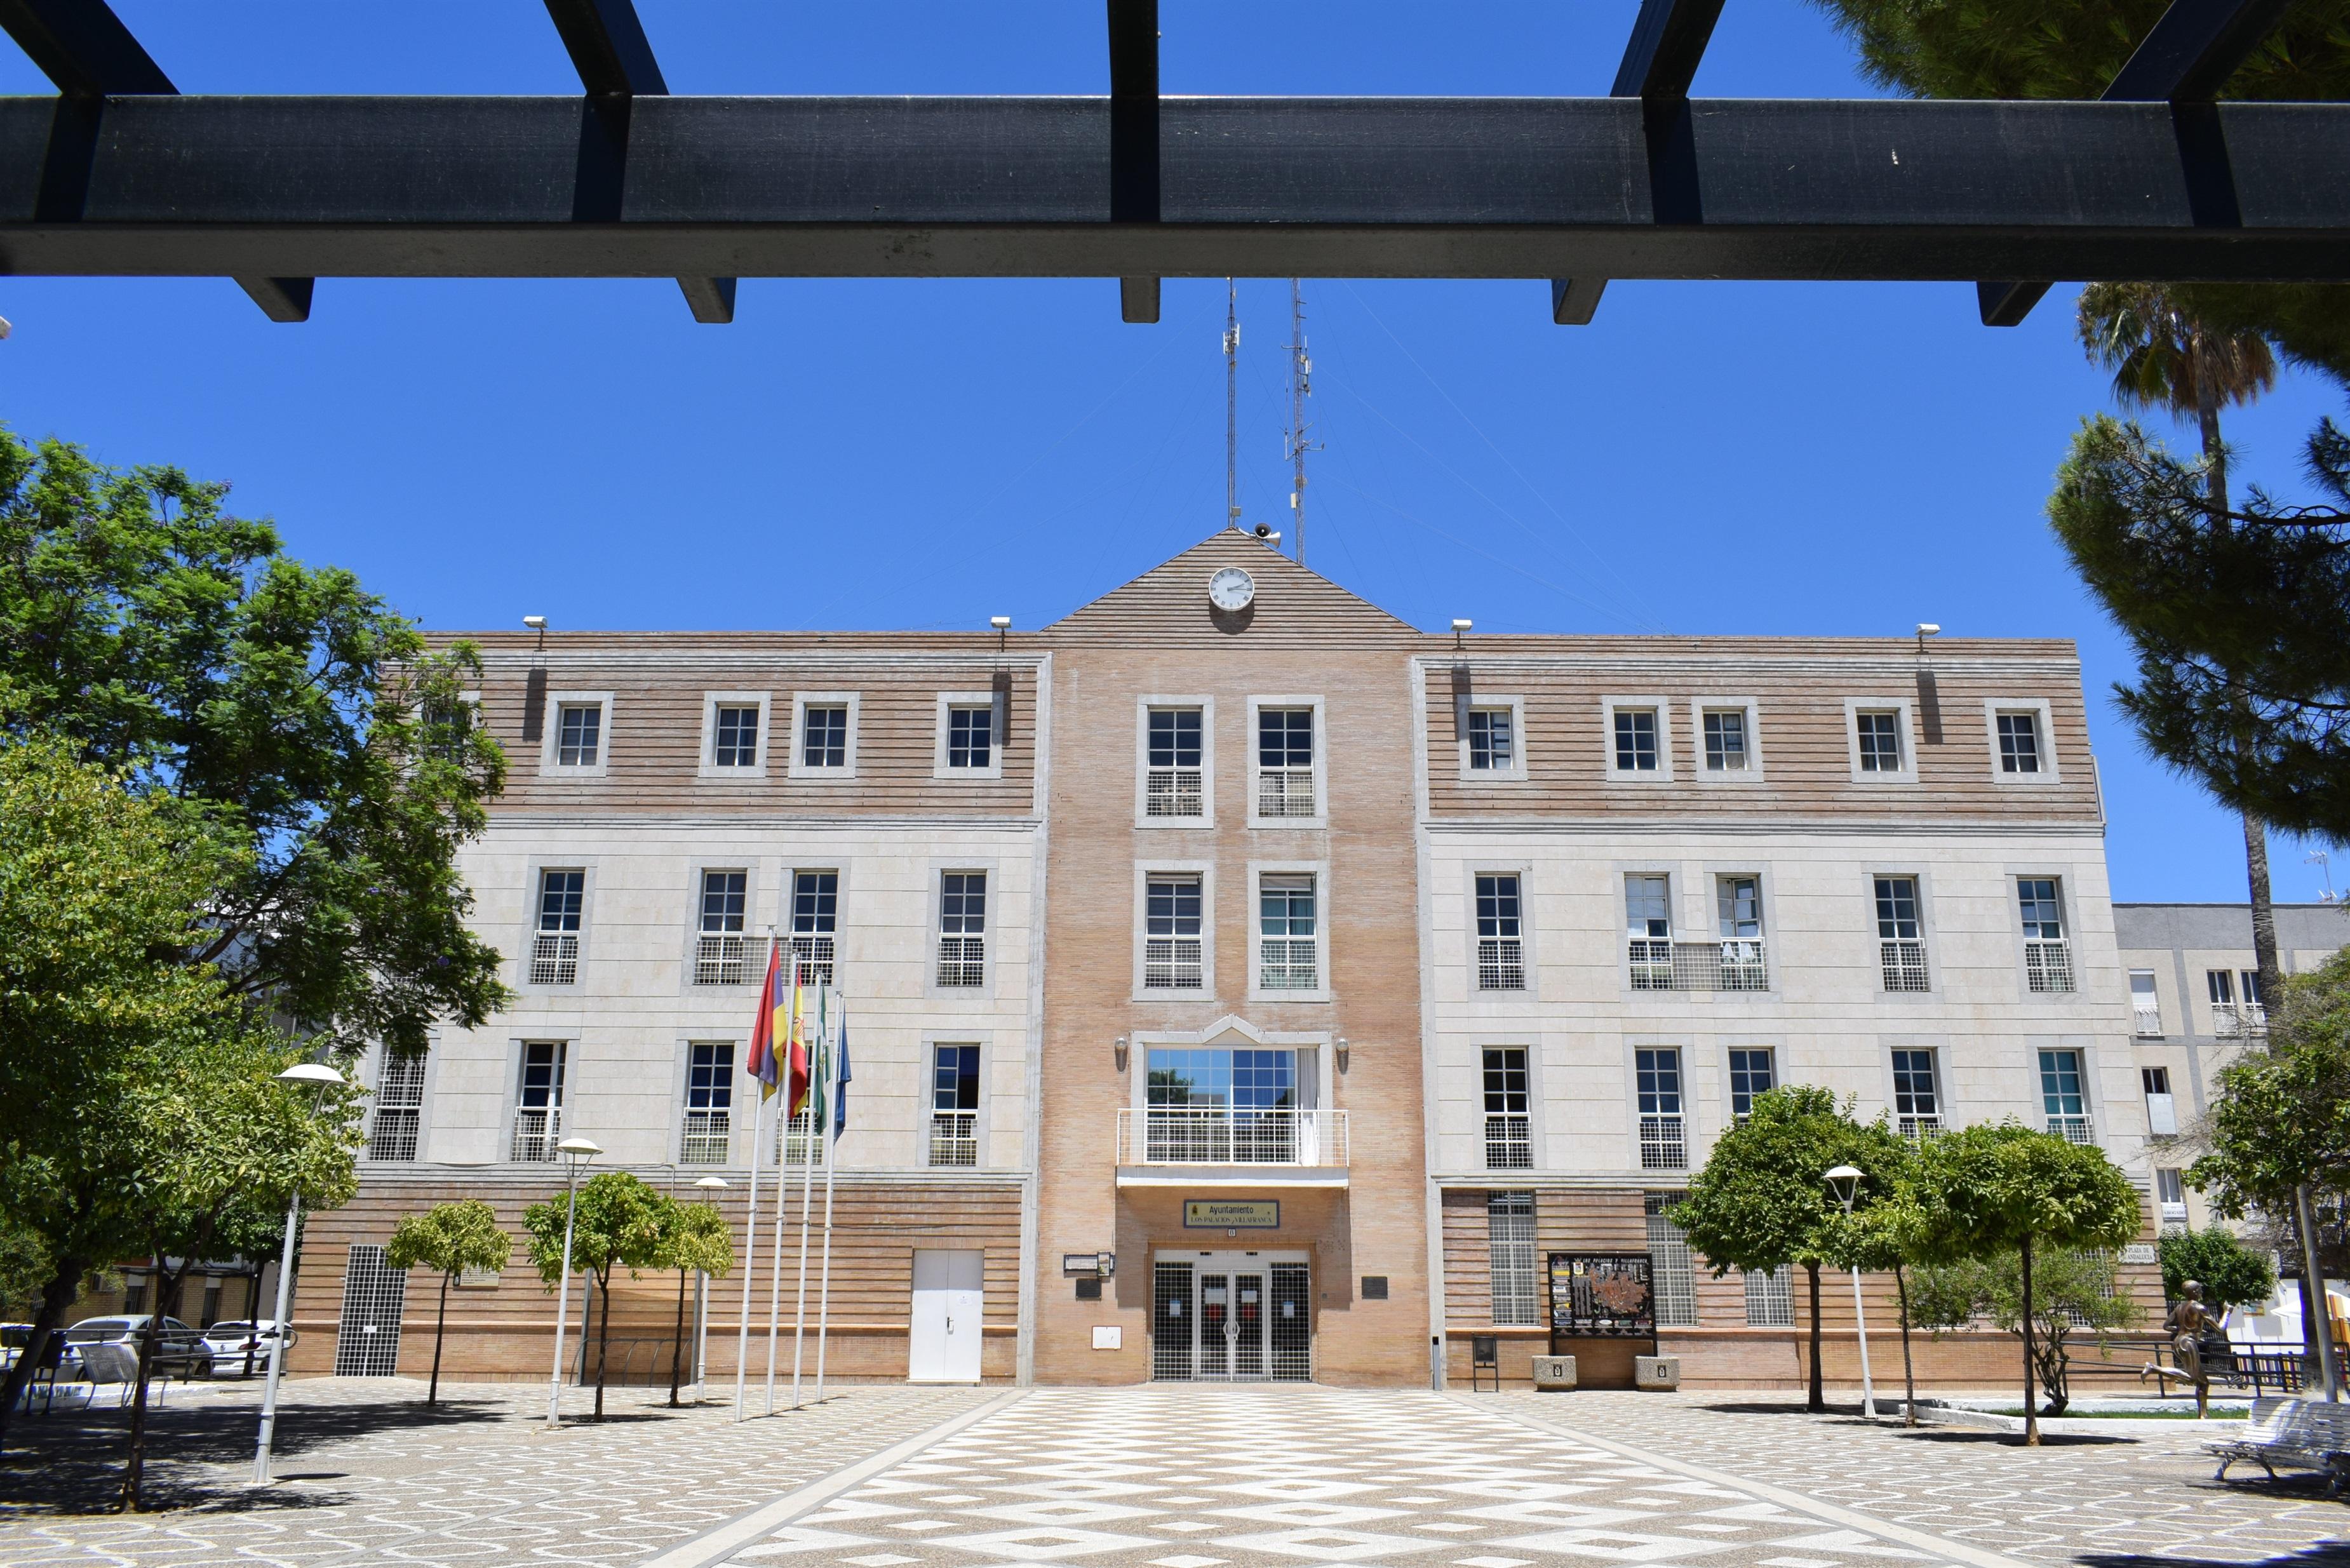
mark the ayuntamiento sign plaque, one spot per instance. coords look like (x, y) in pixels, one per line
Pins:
(1231, 1214)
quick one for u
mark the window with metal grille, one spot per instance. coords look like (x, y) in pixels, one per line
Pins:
(1752, 1072)
(1725, 739)
(1917, 1099)
(954, 1105)
(2063, 1097)
(2146, 1005)
(1172, 951)
(816, 905)
(1648, 925)
(962, 929)
(1738, 903)
(719, 948)
(1878, 733)
(1174, 782)
(538, 1100)
(1769, 1301)
(399, 1108)
(735, 737)
(1493, 747)
(1285, 761)
(971, 736)
(1636, 740)
(796, 1139)
(2047, 957)
(705, 1138)
(1172, 1308)
(1658, 1081)
(367, 1340)
(824, 735)
(2019, 743)
(1292, 1334)
(1500, 946)
(578, 734)
(1288, 947)
(1672, 1271)
(1902, 948)
(1510, 1243)
(1509, 1130)
(554, 946)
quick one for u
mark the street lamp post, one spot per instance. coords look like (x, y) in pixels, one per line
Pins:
(320, 1077)
(576, 1152)
(711, 1185)
(1844, 1182)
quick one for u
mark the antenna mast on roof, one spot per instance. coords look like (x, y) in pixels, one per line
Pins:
(1301, 371)
(1231, 404)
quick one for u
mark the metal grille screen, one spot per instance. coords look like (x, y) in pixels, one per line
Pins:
(1673, 1273)
(1171, 1311)
(1292, 1330)
(1769, 1301)
(1510, 1222)
(368, 1343)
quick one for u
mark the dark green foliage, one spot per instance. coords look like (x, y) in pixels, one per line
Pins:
(619, 1222)
(2281, 1117)
(2230, 1273)
(2070, 1290)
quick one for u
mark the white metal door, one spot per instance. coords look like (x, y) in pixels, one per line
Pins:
(949, 1296)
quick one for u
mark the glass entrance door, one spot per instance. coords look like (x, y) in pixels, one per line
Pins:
(1230, 1317)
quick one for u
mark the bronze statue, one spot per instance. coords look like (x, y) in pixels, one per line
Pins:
(2186, 1324)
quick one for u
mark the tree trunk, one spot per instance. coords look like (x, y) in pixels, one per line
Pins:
(1817, 1399)
(677, 1346)
(2031, 1405)
(603, 1340)
(440, 1330)
(135, 1458)
(1909, 1374)
(57, 1296)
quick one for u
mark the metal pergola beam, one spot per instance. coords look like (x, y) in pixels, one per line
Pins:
(1134, 137)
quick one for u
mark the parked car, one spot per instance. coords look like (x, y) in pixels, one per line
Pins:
(242, 1346)
(180, 1351)
(14, 1338)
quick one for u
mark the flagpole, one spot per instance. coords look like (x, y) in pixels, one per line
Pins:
(751, 1219)
(782, 1186)
(824, 1289)
(816, 1068)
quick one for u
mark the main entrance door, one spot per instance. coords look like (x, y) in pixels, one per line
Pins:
(1230, 1317)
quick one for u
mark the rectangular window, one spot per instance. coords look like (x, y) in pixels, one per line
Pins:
(1658, 1080)
(816, 905)
(954, 1105)
(2146, 1005)
(1501, 941)
(1286, 944)
(2161, 1110)
(1173, 949)
(1225, 1107)
(2019, 743)
(709, 1103)
(1509, 1131)
(2230, 1018)
(2047, 959)
(555, 947)
(1917, 1100)
(1752, 1072)
(1284, 763)
(578, 734)
(1770, 1302)
(399, 1108)
(1900, 938)
(719, 948)
(1493, 748)
(824, 735)
(1175, 781)
(1725, 739)
(735, 737)
(1649, 927)
(1738, 903)
(1636, 740)
(538, 1102)
(1672, 1270)
(1878, 731)
(962, 929)
(971, 737)
(2171, 1195)
(2062, 1096)
(1510, 1243)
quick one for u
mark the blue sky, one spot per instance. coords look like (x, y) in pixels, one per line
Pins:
(1770, 458)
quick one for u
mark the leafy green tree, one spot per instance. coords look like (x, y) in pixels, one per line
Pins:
(694, 1239)
(620, 1224)
(1875, 1241)
(448, 1239)
(2280, 1118)
(2070, 1290)
(1984, 1192)
(1762, 1202)
(2230, 1273)
(179, 645)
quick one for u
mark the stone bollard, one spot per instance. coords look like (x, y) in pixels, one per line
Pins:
(1554, 1372)
(1662, 1372)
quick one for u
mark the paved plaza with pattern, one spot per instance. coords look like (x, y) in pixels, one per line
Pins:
(1156, 1477)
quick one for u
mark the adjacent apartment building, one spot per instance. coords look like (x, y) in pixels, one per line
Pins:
(1240, 982)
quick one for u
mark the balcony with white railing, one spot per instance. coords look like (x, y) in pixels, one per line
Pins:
(1663, 1145)
(1922, 1126)
(1501, 964)
(394, 1135)
(536, 1131)
(1903, 960)
(2048, 964)
(718, 960)
(2147, 1018)
(811, 952)
(1174, 791)
(1287, 964)
(2174, 1213)
(2072, 1129)
(2239, 1020)
(1732, 964)
(1285, 792)
(1174, 963)
(1222, 1145)
(555, 958)
(706, 1138)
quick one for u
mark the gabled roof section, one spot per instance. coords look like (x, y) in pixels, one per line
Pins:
(1169, 603)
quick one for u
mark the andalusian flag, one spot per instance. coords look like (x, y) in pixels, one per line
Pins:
(770, 1024)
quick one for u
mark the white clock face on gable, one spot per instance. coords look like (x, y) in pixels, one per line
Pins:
(1231, 590)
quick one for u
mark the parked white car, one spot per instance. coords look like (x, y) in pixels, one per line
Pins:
(242, 1346)
(180, 1351)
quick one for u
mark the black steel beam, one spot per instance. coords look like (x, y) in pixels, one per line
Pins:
(608, 47)
(1668, 40)
(2193, 48)
(1574, 301)
(83, 47)
(1134, 137)
(279, 187)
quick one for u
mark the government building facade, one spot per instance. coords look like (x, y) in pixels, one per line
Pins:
(1241, 984)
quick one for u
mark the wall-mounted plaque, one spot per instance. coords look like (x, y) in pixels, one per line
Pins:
(1231, 1214)
(1601, 1296)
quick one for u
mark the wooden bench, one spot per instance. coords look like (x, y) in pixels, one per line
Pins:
(2298, 1434)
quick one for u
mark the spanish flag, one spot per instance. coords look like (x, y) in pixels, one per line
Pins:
(795, 1086)
(772, 1022)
